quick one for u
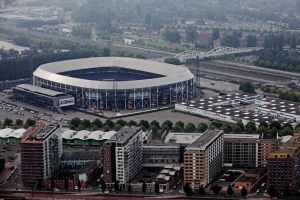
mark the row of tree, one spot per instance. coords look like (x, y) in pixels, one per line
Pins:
(18, 123)
(250, 128)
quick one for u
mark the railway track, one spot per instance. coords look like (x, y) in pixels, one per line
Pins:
(242, 73)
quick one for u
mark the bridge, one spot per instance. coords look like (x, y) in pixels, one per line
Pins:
(217, 52)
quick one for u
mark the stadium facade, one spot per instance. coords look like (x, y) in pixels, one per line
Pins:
(109, 83)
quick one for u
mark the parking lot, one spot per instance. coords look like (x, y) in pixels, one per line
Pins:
(19, 110)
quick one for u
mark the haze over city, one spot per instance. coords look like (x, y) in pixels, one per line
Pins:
(149, 99)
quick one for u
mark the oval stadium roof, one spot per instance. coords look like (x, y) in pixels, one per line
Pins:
(172, 74)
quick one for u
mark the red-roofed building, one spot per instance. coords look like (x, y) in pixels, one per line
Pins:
(41, 149)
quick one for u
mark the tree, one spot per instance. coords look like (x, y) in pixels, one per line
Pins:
(106, 128)
(129, 188)
(103, 185)
(272, 191)
(144, 123)
(98, 123)
(132, 123)
(173, 61)
(201, 190)
(116, 186)
(215, 34)
(8, 122)
(202, 127)
(230, 191)
(227, 128)
(118, 127)
(250, 127)
(86, 123)
(247, 87)
(251, 41)
(155, 123)
(180, 123)
(293, 42)
(121, 122)
(168, 123)
(244, 192)
(156, 187)
(191, 33)
(187, 189)
(178, 128)
(286, 131)
(144, 187)
(230, 40)
(236, 129)
(110, 123)
(172, 36)
(66, 184)
(275, 124)
(75, 123)
(190, 128)
(19, 122)
(216, 189)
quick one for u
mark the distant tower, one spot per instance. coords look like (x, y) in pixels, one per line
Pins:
(2, 4)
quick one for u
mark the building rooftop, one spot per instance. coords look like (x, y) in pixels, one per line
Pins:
(182, 138)
(205, 140)
(279, 105)
(125, 134)
(38, 133)
(87, 135)
(230, 105)
(241, 136)
(39, 90)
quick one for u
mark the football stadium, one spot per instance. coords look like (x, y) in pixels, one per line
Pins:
(117, 83)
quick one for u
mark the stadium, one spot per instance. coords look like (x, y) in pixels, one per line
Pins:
(115, 83)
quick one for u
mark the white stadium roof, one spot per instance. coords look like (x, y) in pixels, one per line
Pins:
(172, 74)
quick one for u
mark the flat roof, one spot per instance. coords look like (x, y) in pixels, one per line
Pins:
(205, 140)
(38, 133)
(172, 74)
(39, 90)
(224, 105)
(280, 105)
(125, 134)
(241, 136)
(182, 138)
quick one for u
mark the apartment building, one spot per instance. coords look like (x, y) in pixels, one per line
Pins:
(247, 150)
(283, 168)
(203, 159)
(41, 149)
(123, 155)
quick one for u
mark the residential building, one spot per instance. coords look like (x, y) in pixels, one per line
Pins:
(283, 168)
(247, 150)
(41, 149)
(161, 155)
(203, 159)
(123, 155)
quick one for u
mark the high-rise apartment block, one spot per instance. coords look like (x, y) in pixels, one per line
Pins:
(203, 159)
(41, 149)
(283, 168)
(123, 155)
(247, 150)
